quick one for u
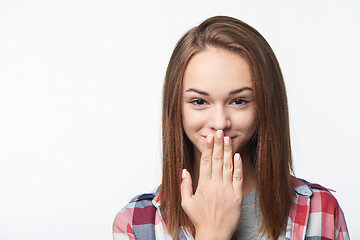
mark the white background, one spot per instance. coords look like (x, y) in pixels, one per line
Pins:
(80, 103)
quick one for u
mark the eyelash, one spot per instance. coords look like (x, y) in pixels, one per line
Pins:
(242, 100)
(197, 100)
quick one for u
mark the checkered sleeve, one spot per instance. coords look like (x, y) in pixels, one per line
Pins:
(341, 231)
(326, 218)
(315, 214)
(122, 227)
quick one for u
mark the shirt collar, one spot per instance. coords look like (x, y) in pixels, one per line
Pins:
(301, 187)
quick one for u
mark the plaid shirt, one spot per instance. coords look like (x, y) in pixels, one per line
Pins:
(314, 215)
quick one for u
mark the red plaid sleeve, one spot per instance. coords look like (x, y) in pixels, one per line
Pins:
(122, 229)
(315, 214)
(326, 217)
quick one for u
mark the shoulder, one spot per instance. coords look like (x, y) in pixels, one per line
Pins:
(321, 198)
(322, 210)
(139, 211)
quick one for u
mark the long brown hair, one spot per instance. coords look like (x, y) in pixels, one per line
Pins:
(270, 146)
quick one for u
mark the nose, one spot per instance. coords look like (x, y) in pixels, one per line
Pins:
(219, 119)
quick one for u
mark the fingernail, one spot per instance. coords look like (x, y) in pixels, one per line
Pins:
(183, 175)
(237, 157)
(227, 141)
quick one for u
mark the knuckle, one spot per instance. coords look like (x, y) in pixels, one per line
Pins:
(182, 185)
(205, 161)
(238, 200)
(218, 159)
(228, 166)
(237, 178)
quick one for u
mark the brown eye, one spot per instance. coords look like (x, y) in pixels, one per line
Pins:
(198, 101)
(239, 101)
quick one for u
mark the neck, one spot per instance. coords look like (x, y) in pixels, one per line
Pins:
(249, 173)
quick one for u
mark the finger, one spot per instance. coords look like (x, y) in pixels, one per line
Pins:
(205, 160)
(218, 156)
(238, 174)
(228, 161)
(186, 188)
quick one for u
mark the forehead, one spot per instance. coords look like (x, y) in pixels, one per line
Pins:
(216, 69)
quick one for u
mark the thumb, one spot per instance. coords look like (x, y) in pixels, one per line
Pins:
(186, 187)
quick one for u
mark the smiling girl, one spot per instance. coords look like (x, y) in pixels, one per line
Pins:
(226, 149)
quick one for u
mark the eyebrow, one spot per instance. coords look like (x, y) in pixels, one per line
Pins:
(240, 90)
(230, 93)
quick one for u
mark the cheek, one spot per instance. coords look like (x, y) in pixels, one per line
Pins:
(245, 126)
(246, 123)
(192, 121)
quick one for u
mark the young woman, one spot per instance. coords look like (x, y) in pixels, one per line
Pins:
(226, 149)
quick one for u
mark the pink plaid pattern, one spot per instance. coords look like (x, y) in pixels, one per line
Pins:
(315, 215)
